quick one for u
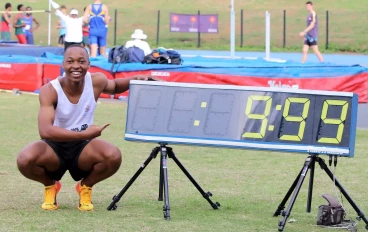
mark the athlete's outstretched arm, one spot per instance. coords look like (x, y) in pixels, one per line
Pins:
(48, 100)
(118, 85)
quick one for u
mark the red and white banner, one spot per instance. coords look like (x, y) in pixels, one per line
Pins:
(26, 77)
(30, 77)
(356, 83)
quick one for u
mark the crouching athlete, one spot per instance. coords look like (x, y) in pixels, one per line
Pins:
(68, 136)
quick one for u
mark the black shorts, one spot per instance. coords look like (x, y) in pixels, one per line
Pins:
(67, 44)
(68, 154)
(309, 43)
(61, 39)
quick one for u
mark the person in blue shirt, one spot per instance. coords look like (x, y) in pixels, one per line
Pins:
(97, 16)
(62, 28)
(28, 20)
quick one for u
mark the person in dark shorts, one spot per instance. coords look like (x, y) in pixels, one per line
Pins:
(5, 23)
(61, 27)
(68, 136)
(310, 34)
(29, 29)
(61, 40)
(86, 34)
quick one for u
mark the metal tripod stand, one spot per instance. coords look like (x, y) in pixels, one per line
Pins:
(295, 188)
(166, 152)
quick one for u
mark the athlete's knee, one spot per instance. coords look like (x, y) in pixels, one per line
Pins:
(25, 160)
(113, 157)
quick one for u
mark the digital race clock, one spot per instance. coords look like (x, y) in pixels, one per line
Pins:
(279, 119)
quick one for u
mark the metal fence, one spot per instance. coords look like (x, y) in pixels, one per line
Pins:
(338, 30)
(347, 30)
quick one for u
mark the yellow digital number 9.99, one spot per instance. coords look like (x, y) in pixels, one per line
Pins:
(300, 119)
(334, 121)
(263, 117)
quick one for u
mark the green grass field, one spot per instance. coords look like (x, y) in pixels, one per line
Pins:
(248, 184)
(348, 26)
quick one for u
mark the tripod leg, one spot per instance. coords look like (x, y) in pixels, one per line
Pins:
(343, 191)
(194, 182)
(311, 180)
(166, 207)
(286, 213)
(116, 198)
(287, 196)
(161, 183)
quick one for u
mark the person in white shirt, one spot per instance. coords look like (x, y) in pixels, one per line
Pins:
(73, 26)
(138, 37)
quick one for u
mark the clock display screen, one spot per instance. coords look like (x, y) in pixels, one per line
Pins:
(221, 116)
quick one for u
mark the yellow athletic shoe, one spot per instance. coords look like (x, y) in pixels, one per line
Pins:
(85, 194)
(50, 194)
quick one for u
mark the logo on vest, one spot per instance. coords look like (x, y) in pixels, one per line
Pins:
(63, 120)
(87, 112)
(81, 128)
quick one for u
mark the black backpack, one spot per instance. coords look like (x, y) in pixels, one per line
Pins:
(115, 54)
(133, 55)
(167, 57)
(121, 54)
(331, 214)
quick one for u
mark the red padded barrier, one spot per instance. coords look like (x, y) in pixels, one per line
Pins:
(107, 74)
(25, 77)
(30, 77)
(356, 83)
(50, 72)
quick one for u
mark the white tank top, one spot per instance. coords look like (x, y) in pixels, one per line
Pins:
(75, 117)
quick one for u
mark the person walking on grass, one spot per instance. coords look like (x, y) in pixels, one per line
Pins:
(310, 34)
(61, 27)
(5, 22)
(97, 16)
(86, 33)
(19, 25)
(73, 26)
(29, 29)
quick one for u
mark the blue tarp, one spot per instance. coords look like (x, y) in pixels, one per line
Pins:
(7, 49)
(242, 67)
